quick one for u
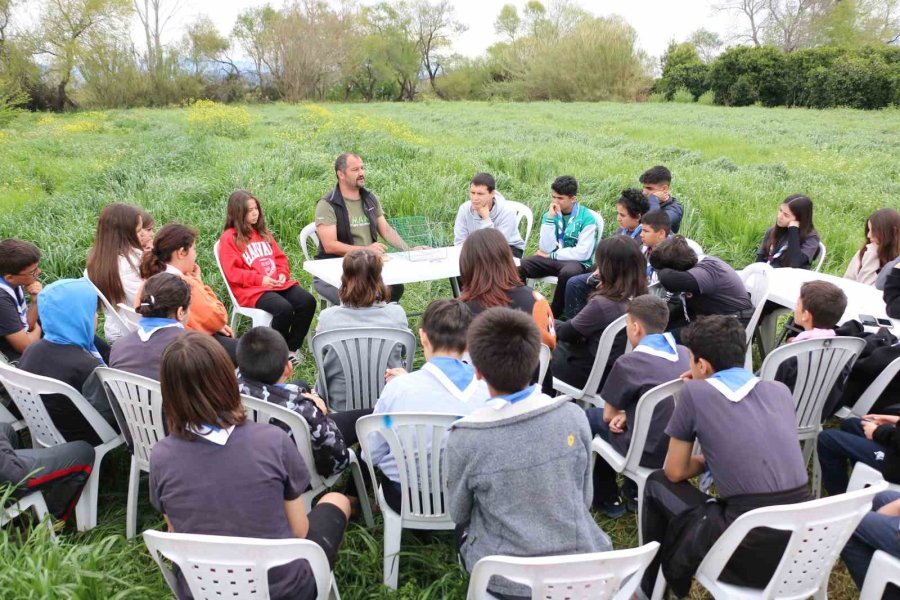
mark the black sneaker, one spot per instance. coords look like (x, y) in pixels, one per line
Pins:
(613, 508)
(631, 503)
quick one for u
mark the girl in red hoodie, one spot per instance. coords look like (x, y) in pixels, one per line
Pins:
(258, 272)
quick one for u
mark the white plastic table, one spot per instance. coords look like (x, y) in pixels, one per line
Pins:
(402, 267)
(785, 285)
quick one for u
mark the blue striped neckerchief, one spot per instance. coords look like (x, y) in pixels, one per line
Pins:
(559, 222)
(634, 233)
(517, 396)
(147, 326)
(659, 344)
(734, 383)
(211, 433)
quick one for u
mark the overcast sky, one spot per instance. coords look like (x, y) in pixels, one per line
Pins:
(656, 21)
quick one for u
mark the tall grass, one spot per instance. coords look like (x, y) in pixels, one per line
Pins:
(732, 168)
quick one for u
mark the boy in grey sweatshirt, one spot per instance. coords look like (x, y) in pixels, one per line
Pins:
(487, 209)
(519, 469)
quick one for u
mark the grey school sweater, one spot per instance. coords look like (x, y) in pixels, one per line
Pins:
(519, 479)
(502, 218)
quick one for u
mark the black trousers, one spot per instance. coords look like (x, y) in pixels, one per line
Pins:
(292, 312)
(535, 267)
(59, 472)
(229, 344)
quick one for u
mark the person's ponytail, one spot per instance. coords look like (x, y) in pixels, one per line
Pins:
(168, 240)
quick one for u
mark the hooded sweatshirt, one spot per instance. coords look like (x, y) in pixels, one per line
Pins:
(207, 314)
(245, 266)
(502, 218)
(67, 310)
(519, 480)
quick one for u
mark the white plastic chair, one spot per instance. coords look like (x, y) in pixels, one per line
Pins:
(589, 394)
(216, 567)
(883, 569)
(612, 575)
(522, 211)
(552, 279)
(26, 389)
(819, 257)
(863, 476)
(130, 315)
(864, 403)
(544, 362)
(109, 310)
(423, 476)
(260, 411)
(756, 281)
(17, 506)
(7, 417)
(630, 464)
(819, 364)
(306, 236)
(259, 317)
(819, 529)
(137, 404)
(697, 248)
(363, 353)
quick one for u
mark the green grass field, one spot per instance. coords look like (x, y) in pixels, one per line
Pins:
(732, 167)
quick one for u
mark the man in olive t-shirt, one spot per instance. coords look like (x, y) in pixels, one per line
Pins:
(348, 217)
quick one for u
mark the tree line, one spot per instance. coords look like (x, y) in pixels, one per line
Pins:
(81, 53)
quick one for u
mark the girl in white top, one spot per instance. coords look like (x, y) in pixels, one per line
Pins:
(113, 264)
(882, 246)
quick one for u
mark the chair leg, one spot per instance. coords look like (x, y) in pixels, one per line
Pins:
(817, 473)
(86, 508)
(640, 509)
(392, 531)
(659, 587)
(333, 593)
(360, 483)
(134, 486)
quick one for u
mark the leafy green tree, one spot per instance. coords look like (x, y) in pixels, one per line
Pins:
(508, 22)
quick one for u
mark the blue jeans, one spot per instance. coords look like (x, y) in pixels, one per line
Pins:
(875, 532)
(577, 291)
(837, 447)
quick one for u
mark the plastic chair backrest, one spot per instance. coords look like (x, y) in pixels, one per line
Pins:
(604, 348)
(26, 389)
(868, 398)
(643, 419)
(260, 411)
(863, 476)
(697, 248)
(234, 303)
(819, 529)
(756, 279)
(109, 310)
(216, 567)
(522, 211)
(130, 315)
(819, 257)
(544, 361)
(308, 234)
(612, 575)
(819, 364)
(363, 353)
(423, 476)
(137, 401)
(883, 569)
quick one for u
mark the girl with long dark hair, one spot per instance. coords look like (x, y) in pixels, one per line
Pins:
(882, 245)
(793, 241)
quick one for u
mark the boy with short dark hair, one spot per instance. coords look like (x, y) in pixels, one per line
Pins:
(264, 363)
(444, 384)
(656, 226)
(519, 468)
(655, 360)
(568, 237)
(487, 209)
(819, 308)
(656, 182)
(747, 431)
(19, 269)
(630, 209)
